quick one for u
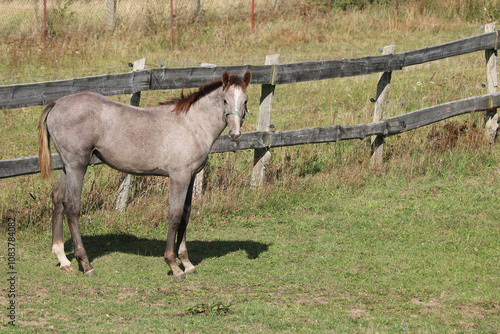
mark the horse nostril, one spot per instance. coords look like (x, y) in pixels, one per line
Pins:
(234, 136)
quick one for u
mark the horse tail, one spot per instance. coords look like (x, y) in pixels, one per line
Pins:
(44, 156)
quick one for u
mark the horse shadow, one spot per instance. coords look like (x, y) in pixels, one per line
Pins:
(101, 245)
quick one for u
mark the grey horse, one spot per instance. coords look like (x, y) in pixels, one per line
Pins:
(172, 139)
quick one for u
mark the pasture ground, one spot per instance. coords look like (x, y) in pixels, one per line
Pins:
(377, 255)
(328, 245)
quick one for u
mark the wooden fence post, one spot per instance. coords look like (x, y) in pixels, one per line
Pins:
(492, 82)
(383, 86)
(196, 6)
(110, 14)
(262, 156)
(124, 189)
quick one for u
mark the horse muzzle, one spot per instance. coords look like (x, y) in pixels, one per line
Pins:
(234, 136)
(234, 122)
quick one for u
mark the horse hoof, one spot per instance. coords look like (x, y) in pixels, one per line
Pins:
(90, 272)
(191, 272)
(180, 276)
(67, 268)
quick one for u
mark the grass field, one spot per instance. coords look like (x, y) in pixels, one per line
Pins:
(372, 254)
(327, 245)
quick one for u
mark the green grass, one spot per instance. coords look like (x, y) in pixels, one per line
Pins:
(327, 245)
(316, 256)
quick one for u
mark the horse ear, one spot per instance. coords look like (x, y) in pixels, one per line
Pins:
(247, 77)
(225, 79)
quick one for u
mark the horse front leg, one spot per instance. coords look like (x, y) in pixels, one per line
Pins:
(179, 186)
(181, 234)
(57, 223)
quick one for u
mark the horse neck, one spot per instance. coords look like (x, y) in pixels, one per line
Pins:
(207, 115)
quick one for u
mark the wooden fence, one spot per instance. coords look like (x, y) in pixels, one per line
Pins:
(270, 75)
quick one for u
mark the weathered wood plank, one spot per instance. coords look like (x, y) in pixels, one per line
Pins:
(315, 135)
(335, 133)
(388, 127)
(248, 140)
(329, 69)
(25, 95)
(29, 165)
(192, 77)
(450, 49)
(19, 166)
(426, 116)
(18, 96)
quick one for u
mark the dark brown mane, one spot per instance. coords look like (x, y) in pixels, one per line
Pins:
(183, 103)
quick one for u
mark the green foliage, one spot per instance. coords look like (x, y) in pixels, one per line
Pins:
(471, 11)
(210, 309)
(468, 10)
(357, 4)
(60, 17)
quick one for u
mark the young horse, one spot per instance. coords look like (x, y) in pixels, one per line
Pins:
(172, 139)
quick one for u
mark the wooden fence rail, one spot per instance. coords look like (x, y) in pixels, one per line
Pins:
(16, 96)
(25, 95)
(314, 135)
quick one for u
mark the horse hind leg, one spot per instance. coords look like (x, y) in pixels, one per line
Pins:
(57, 224)
(72, 205)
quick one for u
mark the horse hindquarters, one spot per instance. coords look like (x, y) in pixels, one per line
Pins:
(64, 126)
(45, 163)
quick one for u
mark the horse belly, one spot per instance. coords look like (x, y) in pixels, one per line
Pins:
(132, 160)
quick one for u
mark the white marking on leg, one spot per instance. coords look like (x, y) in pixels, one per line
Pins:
(189, 268)
(58, 249)
(183, 256)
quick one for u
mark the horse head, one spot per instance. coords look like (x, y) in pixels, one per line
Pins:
(235, 102)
